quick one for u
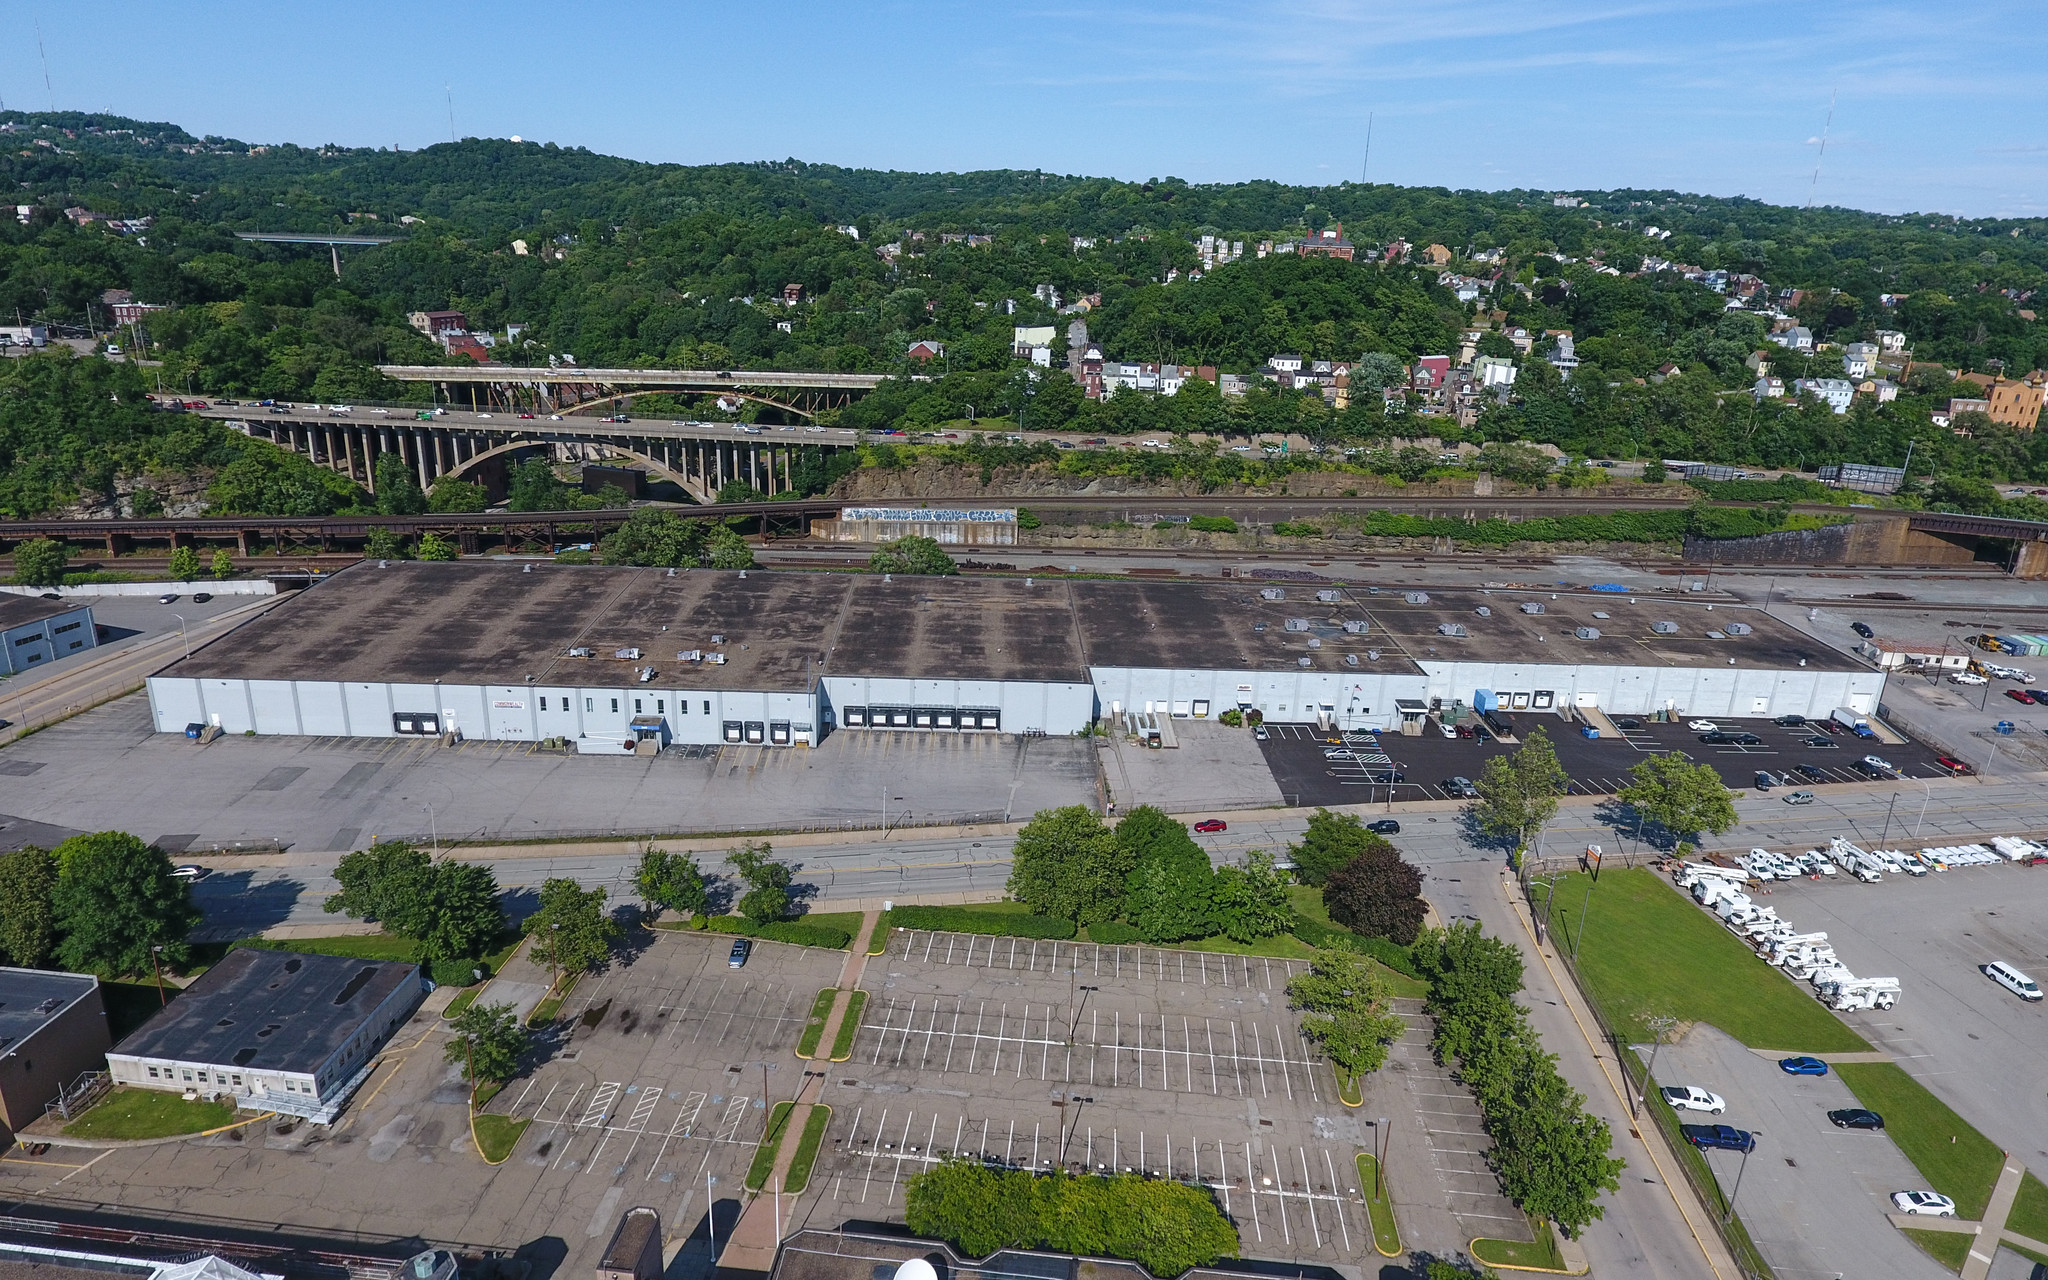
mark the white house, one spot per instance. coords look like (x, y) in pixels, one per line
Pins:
(1836, 393)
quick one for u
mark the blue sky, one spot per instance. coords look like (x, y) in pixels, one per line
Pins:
(1937, 106)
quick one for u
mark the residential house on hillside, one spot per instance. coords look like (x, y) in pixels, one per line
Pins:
(1563, 356)
(1438, 255)
(1859, 359)
(1494, 371)
(1794, 338)
(436, 323)
(1768, 388)
(926, 349)
(1945, 415)
(1328, 243)
(1034, 343)
(1836, 393)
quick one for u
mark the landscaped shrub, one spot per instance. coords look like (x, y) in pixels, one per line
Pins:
(967, 920)
(1114, 933)
(795, 932)
(1389, 953)
(1167, 1227)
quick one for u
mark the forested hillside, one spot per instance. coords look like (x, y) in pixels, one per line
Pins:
(663, 264)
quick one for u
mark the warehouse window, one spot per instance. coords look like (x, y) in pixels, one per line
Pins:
(152, 1073)
(683, 706)
(661, 706)
(707, 706)
(589, 704)
(69, 626)
(615, 706)
(28, 639)
(543, 704)
(636, 706)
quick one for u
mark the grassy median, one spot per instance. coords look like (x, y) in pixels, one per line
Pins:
(814, 1026)
(849, 1026)
(1379, 1204)
(1949, 1248)
(1539, 1254)
(147, 1113)
(496, 1136)
(1956, 1160)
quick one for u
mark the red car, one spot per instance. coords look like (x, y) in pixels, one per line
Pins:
(2021, 696)
(1210, 826)
(1952, 764)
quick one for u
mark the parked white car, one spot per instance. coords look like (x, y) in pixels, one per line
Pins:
(1703, 726)
(1967, 677)
(1928, 1204)
(1689, 1097)
(2012, 980)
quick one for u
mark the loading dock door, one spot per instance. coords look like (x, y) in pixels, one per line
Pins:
(854, 717)
(735, 731)
(757, 731)
(778, 732)
(421, 723)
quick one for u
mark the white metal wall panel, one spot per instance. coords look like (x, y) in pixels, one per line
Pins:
(323, 712)
(369, 709)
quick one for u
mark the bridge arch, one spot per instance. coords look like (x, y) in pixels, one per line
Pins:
(692, 487)
(600, 403)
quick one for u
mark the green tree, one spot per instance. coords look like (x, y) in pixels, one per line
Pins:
(1251, 900)
(1518, 792)
(40, 562)
(1347, 1008)
(435, 547)
(1467, 972)
(383, 544)
(913, 554)
(223, 564)
(767, 896)
(655, 537)
(115, 901)
(1065, 863)
(449, 908)
(1679, 796)
(725, 549)
(28, 921)
(451, 494)
(1168, 895)
(670, 881)
(380, 883)
(534, 486)
(184, 564)
(572, 932)
(487, 1043)
(1331, 841)
(398, 492)
(1377, 894)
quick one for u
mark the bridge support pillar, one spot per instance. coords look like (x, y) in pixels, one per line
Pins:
(248, 542)
(117, 543)
(2030, 560)
(421, 441)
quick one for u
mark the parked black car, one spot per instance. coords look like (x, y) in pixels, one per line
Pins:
(1856, 1118)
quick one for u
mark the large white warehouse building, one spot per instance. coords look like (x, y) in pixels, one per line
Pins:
(616, 659)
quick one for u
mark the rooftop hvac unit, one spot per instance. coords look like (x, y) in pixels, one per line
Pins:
(1451, 629)
(1350, 659)
(1314, 643)
(1664, 628)
(1483, 611)
(1415, 597)
(1737, 628)
(580, 651)
(1272, 593)
(715, 659)
(1372, 655)
(1530, 606)
(1356, 626)
(629, 655)
(1587, 633)
(1602, 616)
(1327, 596)
(1297, 624)
(690, 655)
(646, 674)
(717, 638)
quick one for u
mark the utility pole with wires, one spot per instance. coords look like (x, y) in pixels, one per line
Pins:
(1366, 168)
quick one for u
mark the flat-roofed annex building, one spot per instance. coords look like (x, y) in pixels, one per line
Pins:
(620, 660)
(53, 1029)
(35, 632)
(280, 1030)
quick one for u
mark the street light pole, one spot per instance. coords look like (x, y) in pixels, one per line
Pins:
(163, 1001)
(1740, 1170)
(433, 828)
(1642, 1096)
(181, 633)
(1584, 908)
(1888, 820)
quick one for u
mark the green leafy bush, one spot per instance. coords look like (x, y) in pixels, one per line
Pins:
(1114, 933)
(794, 932)
(1166, 1227)
(1212, 524)
(1388, 952)
(967, 920)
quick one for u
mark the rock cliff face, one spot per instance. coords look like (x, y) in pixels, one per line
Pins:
(183, 496)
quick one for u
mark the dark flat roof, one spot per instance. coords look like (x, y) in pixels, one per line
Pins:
(269, 1010)
(496, 623)
(18, 611)
(31, 998)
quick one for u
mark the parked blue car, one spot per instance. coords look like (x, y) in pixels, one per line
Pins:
(1802, 1066)
(1724, 1137)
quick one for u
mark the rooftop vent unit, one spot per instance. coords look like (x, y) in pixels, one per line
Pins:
(715, 659)
(1451, 629)
(1297, 624)
(1738, 628)
(1664, 628)
(1718, 635)
(1314, 643)
(1531, 606)
(1587, 633)
(716, 638)
(646, 674)
(1328, 596)
(1356, 626)
(1272, 593)
(690, 655)
(626, 655)
(1372, 655)
(1304, 662)
(1483, 611)
(580, 651)
(1602, 616)
(1350, 659)
(1415, 597)
(1258, 626)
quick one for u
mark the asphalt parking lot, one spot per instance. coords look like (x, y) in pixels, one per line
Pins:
(1594, 766)
(1975, 1044)
(1813, 1196)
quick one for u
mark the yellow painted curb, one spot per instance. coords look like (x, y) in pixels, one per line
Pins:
(1357, 1165)
(1346, 1101)
(208, 1133)
(1509, 1266)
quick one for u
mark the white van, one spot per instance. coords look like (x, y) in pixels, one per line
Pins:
(2011, 979)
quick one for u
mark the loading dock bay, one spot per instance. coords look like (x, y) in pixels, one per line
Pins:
(1595, 766)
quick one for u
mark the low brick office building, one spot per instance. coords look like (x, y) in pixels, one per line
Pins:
(53, 1029)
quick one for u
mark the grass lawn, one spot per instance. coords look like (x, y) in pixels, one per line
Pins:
(1648, 951)
(147, 1113)
(497, 1135)
(1955, 1159)
(764, 1155)
(2029, 1214)
(1539, 1255)
(814, 1026)
(356, 946)
(1386, 1234)
(849, 1026)
(463, 999)
(1351, 1091)
(1949, 1248)
(807, 1149)
(544, 1012)
(1308, 901)
(1283, 946)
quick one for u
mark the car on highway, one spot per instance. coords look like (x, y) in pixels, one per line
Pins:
(1384, 827)
(1460, 789)
(190, 871)
(1857, 1118)
(1210, 826)
(1862, 629)
(1810, 773)
(167, 599)
(1803, 1065)
(527, 417)
(1800, 797)
(1789, 722)
(1718, 1137)
(738, 957)
(1925, 1204)
(201, 597)
(1702, 726)
(1953, 765)
(1690, 1097)
(1967, 677)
